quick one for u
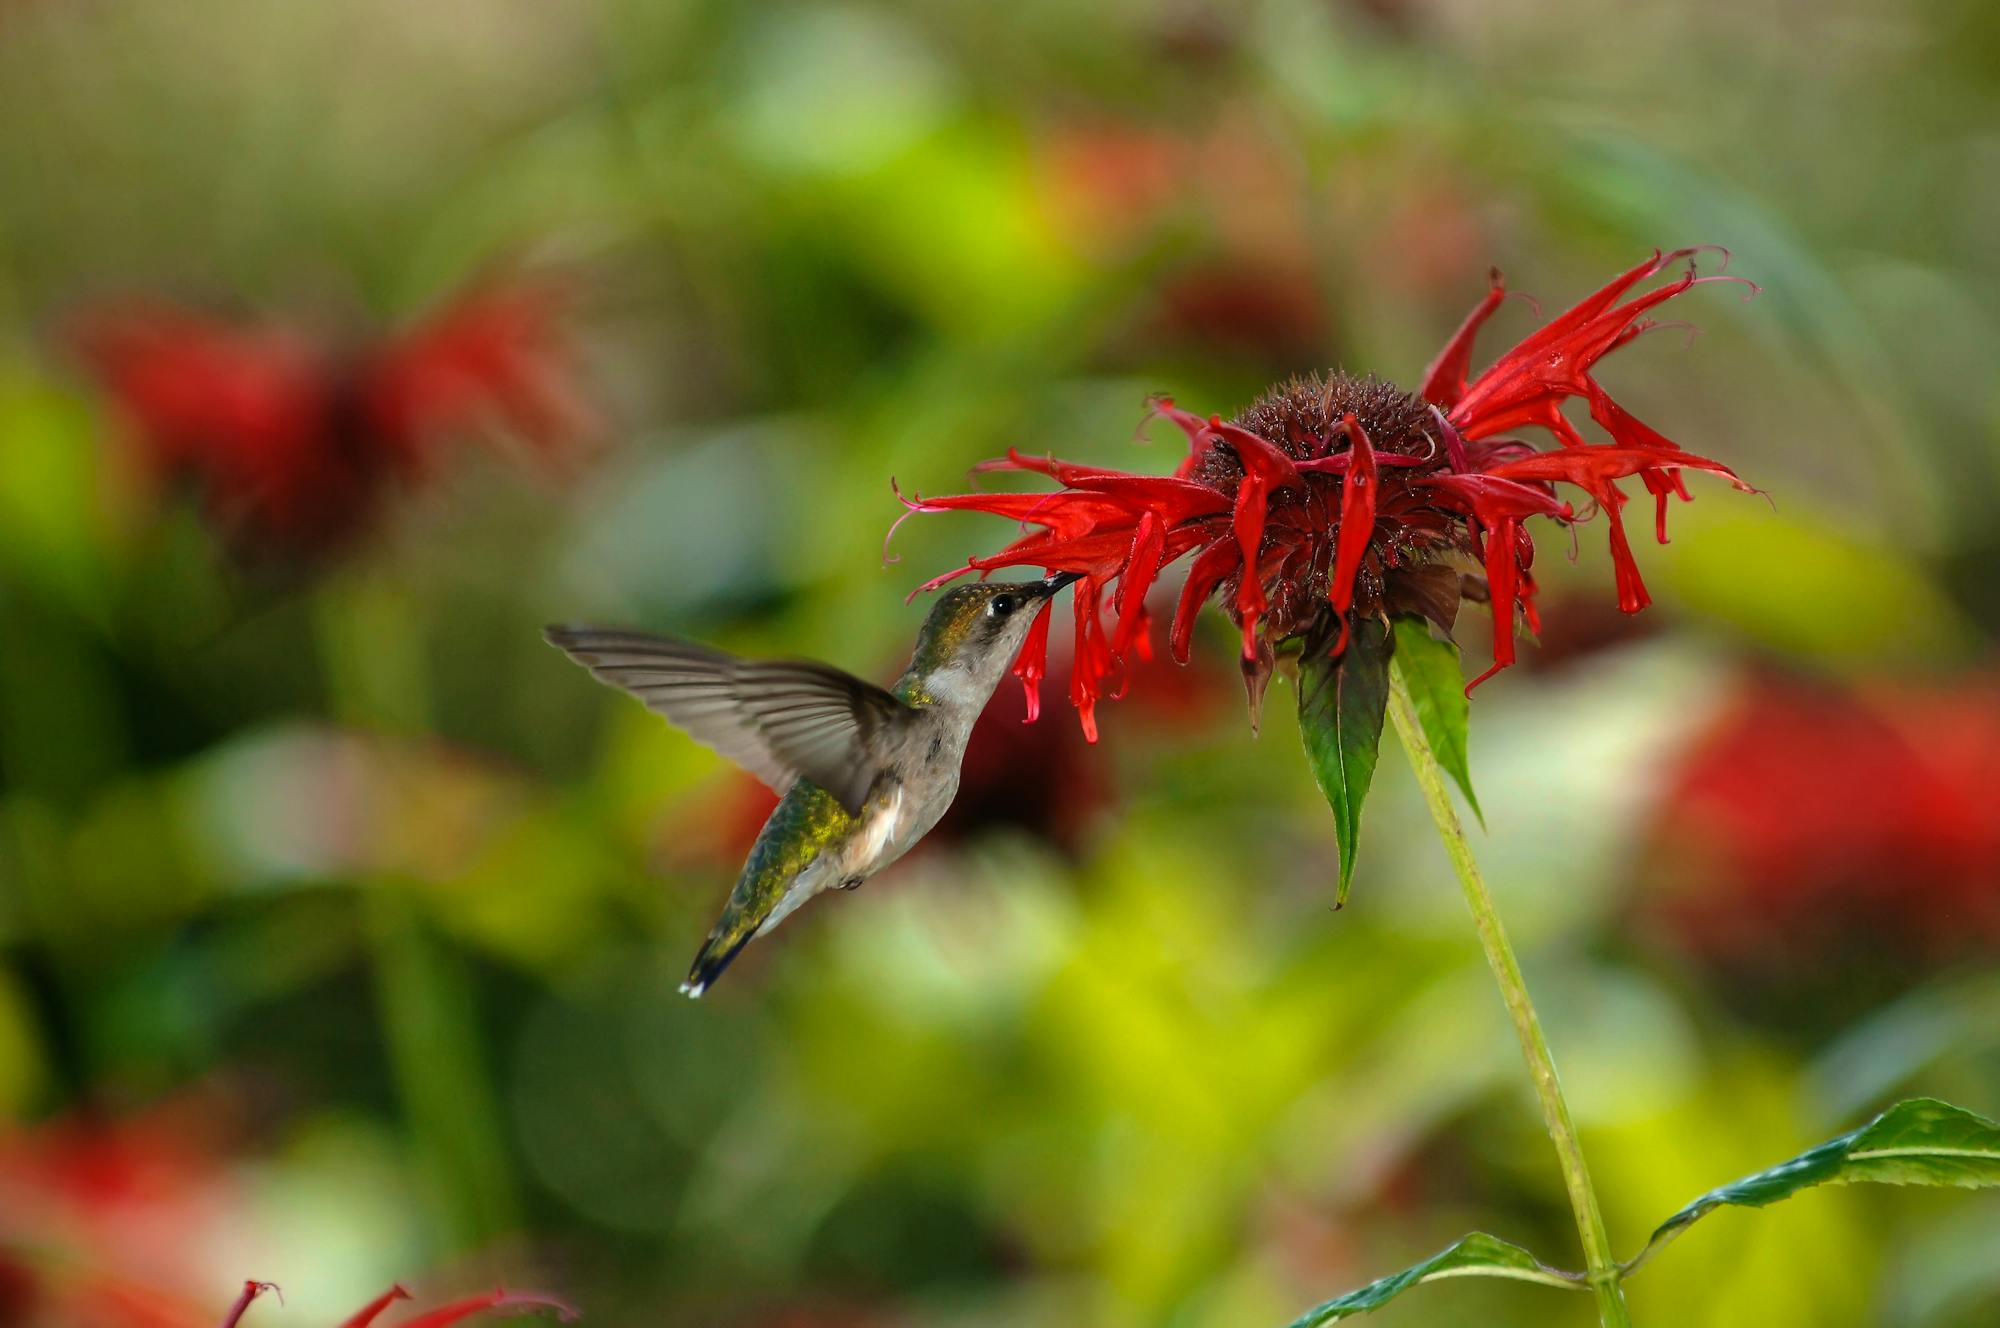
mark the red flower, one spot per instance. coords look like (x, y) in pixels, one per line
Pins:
(294, 443)
(457, 1310)
(1812, 819)
(1336, 497)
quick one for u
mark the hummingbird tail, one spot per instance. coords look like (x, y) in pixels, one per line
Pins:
(721, 947)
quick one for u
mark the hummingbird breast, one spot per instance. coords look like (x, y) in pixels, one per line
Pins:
(891, 822)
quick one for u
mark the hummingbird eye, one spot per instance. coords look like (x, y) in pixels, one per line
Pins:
(1000, 605)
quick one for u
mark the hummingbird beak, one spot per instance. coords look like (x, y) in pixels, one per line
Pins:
(1058, 580)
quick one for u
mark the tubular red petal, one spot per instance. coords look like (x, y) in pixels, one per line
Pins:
(1259, 456)
(1174, 499)
(1632, 595)
(1196, 429)
(250, 1292)
(1101, 552)
(1502, 579)
(1357, 518)
(1248, 524)
(1528, 383)
(941, 579)
(1490, 497)
(1142, 568)
(498, 1299)
(1444, 380)
(1032, 665)
(1092, 662)
(1213, 564)
(1590, 466)
(368, 1313)
(1142, 637)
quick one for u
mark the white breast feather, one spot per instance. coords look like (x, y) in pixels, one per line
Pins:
(866, 850)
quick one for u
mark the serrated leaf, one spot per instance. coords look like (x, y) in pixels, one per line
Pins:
(1477, 1255)
(1341, 705)
(1437, 687)
(1919, 1142)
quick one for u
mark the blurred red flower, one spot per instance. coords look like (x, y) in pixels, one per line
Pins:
(1812, 816)
(295, 442)
(1337, 497)
(112, 1224)
(101, 1222)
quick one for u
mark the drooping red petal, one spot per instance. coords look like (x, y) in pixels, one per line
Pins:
(1210, 568)
(1357, 520)
(1032, 665)
(368, 1313)
(1093, 662)
(1142, 568)
(1259, 456)
(1249, 527)
(1502, 579)
(498, 1299)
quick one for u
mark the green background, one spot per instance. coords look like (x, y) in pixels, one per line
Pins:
(354, 913)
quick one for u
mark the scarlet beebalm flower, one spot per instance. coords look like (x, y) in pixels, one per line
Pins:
(294, 441)
(1336, 498)
(500, 1300)
(1811, 819)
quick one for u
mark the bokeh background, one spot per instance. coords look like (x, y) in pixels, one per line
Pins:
(342, 345)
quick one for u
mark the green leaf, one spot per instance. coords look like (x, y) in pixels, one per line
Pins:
(1918, 1142)
(1477, 1255)
(1341, 705)
(1437, 686)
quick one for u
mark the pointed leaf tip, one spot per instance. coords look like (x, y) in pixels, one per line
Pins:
(1437, 688)
(1918, 1142)
(1476, 1255)
(1342, 702)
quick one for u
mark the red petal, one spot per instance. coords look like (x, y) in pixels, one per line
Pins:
(1444, 380)
(1142, 568)
(1259, 456)
(1491, 497)
(250, 1292)
(1249, 527)
(1196, 429)
(1032, 665)
(499, 1299)
(1589, 467)
(368, 1313)
(1528, 384)
(1093, 662)
(1502, 579)
(1215, 562)
(1357, 518)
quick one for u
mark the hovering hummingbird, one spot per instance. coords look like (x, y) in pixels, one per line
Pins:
(864, 773)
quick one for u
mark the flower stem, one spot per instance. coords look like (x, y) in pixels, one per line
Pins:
(1602, 1269)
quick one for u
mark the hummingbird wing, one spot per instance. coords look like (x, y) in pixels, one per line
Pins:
(779, 719)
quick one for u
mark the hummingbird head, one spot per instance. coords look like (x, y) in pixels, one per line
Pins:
(973, 634)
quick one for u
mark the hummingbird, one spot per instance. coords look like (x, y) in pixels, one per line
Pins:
(863, 773)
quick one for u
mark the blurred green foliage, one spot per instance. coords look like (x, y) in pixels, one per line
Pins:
(334, 884)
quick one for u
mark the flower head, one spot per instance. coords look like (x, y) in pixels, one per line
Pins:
(1335, 498)
(294, 442)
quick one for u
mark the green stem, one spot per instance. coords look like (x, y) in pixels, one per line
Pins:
(1602, 1269)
